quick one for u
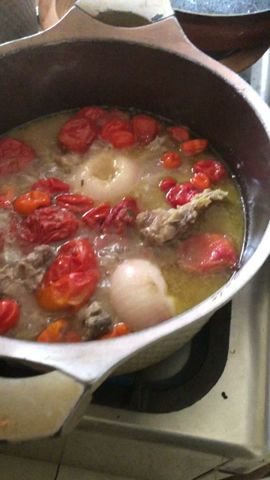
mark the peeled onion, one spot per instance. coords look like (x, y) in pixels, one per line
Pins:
(139, 294)
(106, 176)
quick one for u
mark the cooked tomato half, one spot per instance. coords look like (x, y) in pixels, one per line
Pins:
(207, 252)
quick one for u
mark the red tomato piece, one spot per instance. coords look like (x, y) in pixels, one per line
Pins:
(14, 155)
(171, 160)
(77, 135)
(9, 315)
(180, 194)
(213, 169)
(118, 330)
(96, 216)
(113, 126)
(200, 181)
(59, 331)
(47, 225)
(122, 215)
(145, 128)
(51, 185)
(122, 139)
(74, 256)
(179, 134)
(94, 114)
(206, 252)
(29, 202)
(72, 290)
(114, 114)
(76, 203)
(194, 147)
(166, 184)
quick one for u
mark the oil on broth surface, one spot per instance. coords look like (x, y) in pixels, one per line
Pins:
(225, 217)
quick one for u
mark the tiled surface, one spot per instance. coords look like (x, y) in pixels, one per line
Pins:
(14, 468)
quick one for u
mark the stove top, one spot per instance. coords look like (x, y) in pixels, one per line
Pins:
(218, 399)
(177, 382)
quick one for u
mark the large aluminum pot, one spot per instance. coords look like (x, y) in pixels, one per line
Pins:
(81, 61)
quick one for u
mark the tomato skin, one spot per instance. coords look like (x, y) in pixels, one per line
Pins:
(99, 116)
(72, 277)
(171, 160)
(118, 330)
(58, 331)
(51, 185)
(14, 155)
(166, 184)
(75, 203)
(179, 134)
(74, 256)
(94, 114)
(30, 201)
(122, 215)
(96, 216)
(212, 168)
(114, 114)
(145, 128)
(122, 139)
(77, 135)
(47, 225)
(194, 147)
(9, 315)
(112, 126)
(180, 194)
(72, 290)
(207, 252)
(201, 181)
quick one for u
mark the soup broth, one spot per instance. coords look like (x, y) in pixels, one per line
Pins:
(132, 173)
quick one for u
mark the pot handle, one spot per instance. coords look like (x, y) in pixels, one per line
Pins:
(150, 10)
(162, 31)
(40, 406)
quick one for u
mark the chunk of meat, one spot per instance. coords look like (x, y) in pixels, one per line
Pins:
(95, 320)
(160, 225)
(28, 272)
(32, 268)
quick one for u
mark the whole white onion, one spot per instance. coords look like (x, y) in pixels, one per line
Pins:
(139, 294)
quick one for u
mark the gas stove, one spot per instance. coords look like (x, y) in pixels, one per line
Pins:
(202, 413)
(209, 401)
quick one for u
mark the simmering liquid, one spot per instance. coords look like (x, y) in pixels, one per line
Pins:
(106, 173)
